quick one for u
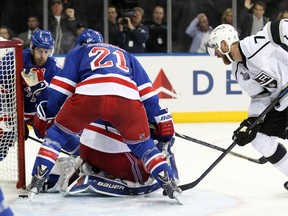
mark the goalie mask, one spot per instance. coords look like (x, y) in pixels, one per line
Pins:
(44, 40)
(224, 32)
(89, 36)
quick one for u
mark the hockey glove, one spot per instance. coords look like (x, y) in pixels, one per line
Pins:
(243, 135)
(35, 82)
(164, 128)
(41, 122)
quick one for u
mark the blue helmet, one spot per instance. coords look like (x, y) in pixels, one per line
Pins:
(89, 36)
(42, 39)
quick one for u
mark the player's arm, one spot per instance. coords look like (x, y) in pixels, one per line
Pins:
(62, 85)
(161, 119)
(278, 32)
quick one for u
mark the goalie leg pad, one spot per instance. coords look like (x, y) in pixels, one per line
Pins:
(56, 176)
(100, 184)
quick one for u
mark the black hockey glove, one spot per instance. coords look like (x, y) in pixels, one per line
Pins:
(243, 135)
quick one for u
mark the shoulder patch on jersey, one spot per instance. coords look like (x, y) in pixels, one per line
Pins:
(266, 80)
(246, 75)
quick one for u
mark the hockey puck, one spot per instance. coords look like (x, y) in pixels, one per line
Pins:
(286, 185)
(23, 196)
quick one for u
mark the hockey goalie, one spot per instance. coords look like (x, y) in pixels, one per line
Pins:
(105, 166)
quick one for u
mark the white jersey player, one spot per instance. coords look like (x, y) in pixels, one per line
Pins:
(259, 64)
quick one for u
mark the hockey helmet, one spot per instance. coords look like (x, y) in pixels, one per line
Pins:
(42, 39)
(89, 36)
(224, 32)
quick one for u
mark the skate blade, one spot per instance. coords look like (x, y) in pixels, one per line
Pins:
(32, 193)
(178, 200)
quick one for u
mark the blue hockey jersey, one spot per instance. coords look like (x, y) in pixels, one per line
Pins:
(49, 69)
(102, 69)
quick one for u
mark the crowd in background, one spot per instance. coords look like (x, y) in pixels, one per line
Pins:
(138, 26)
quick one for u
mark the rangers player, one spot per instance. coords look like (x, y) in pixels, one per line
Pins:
(39, 68)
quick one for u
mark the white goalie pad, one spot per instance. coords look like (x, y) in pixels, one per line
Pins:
(58, 174)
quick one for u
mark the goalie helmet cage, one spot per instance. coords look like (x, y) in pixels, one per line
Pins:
(12, 152)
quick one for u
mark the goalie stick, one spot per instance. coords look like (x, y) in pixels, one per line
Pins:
(261, 160)
(259, 118)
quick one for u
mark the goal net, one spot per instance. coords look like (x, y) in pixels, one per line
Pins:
(12, 161)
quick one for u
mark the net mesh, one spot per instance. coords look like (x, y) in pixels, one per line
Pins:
(8, 117)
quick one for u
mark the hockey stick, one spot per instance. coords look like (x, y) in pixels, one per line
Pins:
(39, 141)
(259, 118)
(261, 160)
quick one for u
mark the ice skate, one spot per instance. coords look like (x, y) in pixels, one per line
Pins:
(169, 186)
(37, 180)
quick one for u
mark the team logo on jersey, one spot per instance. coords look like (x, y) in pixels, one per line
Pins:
(163, 86)
(142, 136)
(266, 80)
(246, 76)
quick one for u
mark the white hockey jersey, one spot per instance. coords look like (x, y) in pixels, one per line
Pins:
(266, 64)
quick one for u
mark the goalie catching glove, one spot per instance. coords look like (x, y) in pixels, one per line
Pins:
(34, 79)
(243, 135)
(40, 121)
(163, 129)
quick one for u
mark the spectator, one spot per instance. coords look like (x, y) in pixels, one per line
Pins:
(250, 24)
(113, 27)
(33, 25)
(132, 34)
(157, 41)
(80, 28)
(227, 16)
(282, 15)
(62, 26)
(199, 30)
(4, 32)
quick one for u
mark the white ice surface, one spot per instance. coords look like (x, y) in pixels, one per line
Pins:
(235, 187)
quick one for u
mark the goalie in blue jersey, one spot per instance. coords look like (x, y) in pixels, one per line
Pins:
(101, 81)
(105, 166)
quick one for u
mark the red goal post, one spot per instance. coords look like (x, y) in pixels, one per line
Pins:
(12, 152)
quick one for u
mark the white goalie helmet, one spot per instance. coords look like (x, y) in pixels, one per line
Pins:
(224, 32)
